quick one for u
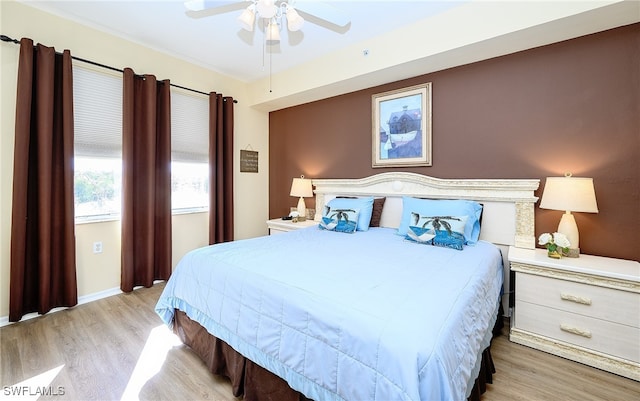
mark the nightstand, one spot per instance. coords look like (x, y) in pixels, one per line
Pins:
(279, 226)
(586, 309)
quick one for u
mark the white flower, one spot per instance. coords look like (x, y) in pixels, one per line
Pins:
(561, 240)
(544, 239)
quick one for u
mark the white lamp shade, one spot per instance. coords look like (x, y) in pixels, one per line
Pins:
(247, 18)
(294, 20)
(571, 194)
(273, 32)
(574, 194)
(301, 187)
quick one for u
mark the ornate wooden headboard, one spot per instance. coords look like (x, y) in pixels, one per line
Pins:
(507, 216)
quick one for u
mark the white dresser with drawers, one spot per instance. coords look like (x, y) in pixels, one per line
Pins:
(586, 309)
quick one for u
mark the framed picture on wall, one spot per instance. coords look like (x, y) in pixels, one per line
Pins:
(401, 121)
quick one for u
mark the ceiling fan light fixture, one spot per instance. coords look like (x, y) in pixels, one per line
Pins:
(266, 8)
(248, 18)
(273, 32)
(294, 20)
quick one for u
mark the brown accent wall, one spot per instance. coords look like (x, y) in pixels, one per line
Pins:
(570, 106)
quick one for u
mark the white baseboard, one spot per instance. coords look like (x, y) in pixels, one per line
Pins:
(4, 320)
(99, 295)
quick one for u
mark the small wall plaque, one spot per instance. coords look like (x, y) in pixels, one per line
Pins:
(248, 161)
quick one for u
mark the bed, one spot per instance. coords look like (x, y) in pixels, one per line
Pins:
(367, 315)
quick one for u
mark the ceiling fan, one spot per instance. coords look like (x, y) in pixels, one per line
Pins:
(272, 13)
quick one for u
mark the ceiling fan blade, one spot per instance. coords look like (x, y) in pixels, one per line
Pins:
(207, 8)
(323, 11)
(200, 5)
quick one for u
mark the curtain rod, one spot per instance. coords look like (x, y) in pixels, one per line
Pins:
(6, 38)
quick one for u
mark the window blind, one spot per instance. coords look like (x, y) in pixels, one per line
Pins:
(97, 104)
(189, 127)
(97, 98)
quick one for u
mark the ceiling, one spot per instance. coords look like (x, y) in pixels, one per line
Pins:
(215, 40)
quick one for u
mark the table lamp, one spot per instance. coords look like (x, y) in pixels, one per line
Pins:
(571, 194)
(301, 187)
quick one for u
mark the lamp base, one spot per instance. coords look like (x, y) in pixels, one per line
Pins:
(568, 227)
(572, 253)
(302, 210)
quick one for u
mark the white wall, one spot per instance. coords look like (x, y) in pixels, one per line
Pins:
(490, 29)
(100, 272)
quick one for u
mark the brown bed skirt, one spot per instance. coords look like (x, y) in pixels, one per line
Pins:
(253, 382)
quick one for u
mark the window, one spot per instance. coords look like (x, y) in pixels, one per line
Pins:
(98, 146)
(189, 151)
(189, 186)
(97, 187)
(97, 104)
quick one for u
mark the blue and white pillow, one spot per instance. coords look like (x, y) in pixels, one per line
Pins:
(364, 205)
(339, 219)
(443, 207)
(420, 235)
(445, 231)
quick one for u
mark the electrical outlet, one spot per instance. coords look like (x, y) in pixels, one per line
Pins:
(97, 247)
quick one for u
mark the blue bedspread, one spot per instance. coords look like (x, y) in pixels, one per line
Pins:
(363, 316)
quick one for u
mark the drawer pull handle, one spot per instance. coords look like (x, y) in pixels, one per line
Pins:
(575, 298)
(575, 330)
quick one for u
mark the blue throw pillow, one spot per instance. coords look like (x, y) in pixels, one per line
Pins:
(420, 235)
(446, 231)
(339, 220)
(453, 240)
(445, 207)
(364, 205)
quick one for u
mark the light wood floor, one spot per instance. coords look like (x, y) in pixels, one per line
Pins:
(116, 348)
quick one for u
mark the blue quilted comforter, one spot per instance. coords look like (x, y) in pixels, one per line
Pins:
(363, 316)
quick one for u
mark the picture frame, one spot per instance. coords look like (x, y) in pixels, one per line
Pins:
(401, 127)
(248, 161)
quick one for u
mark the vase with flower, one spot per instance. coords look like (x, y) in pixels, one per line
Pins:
(556, 244)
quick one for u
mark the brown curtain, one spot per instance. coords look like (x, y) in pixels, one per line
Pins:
(43, 250)
(146, 181)
(220, 168)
